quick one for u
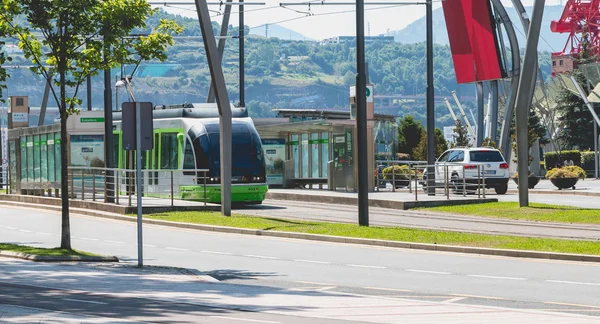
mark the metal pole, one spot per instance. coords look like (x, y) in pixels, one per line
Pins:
(108, 134)
(172, 191)
(528, 77)
(450, 109)
(89, 92)
(595, 151)
(205, 198)
(216, 73)
(493, 121)
(116, 185)
(138, 180)
(44, 101)
(462, 113)
(430, 103)
(479, 86)
(361, 116)
(221, 46)
(241, 35)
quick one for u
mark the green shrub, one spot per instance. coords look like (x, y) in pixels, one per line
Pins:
(587, 160)
(566, 172)
(551, 159)
(400, 172)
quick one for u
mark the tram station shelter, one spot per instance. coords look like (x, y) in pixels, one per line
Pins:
(316, 147)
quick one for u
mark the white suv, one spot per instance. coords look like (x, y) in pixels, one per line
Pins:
(465, 161)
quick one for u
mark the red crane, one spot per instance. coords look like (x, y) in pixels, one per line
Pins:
(578, 17)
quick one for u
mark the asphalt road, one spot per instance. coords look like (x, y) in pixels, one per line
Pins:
(144, 310)
(264, 261)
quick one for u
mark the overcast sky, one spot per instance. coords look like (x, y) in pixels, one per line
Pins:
(325, 21)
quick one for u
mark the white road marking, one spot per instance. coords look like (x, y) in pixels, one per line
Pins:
(365, 266)
(25, 231)
(176, 249)
(116, 242)
(496, 277)
(312, 261)
(453, 300)
(313, 283)
(574, 282)
(260, 256)
(477, 296)
(575, 305)
(42, 233)
(217, 252)
(388, 289)
(10, 228)
(149, 245)
(85, 301)
(428, 271)
(88, 239)
(243, 319)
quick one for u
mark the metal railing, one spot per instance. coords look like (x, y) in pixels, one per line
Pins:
(159, 187)
(449, 177)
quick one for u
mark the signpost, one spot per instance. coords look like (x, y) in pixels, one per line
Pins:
(143, 142)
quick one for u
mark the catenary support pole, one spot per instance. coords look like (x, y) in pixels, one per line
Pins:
(44, 105)
(88, 85)
(241, 50)
(480, 112)
(595, 151)
(221, 47)
(361, 116)
(524, 94)
(430, 104)
(493, 121)
(138, 181)
(218, 80)
(108, 137)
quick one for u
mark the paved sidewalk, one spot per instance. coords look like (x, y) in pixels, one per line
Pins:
(167, 284)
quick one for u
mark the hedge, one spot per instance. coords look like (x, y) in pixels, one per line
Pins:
(551, 159)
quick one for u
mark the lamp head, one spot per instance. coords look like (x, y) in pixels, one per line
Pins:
(120, 83)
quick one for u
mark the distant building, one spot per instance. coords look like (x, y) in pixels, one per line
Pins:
(12, 49)
(352, 39)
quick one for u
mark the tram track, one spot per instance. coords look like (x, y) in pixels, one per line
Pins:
(423, 220)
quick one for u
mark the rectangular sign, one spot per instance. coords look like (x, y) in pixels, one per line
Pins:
(20, 117)
(274, 149)
(91, 119)
(87, 150)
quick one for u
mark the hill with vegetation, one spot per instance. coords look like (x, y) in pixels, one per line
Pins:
(282, 74)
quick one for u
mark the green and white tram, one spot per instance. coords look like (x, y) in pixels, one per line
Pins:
(188, 139)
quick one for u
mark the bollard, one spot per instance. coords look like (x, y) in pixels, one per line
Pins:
(129, 186)
(393, 178)
(478, 181)
(82, 185)
(205, 198)
(416, 184)
(446, 182)
(483, 178)
(94, 187)
(171, 188)
(410, 178)
(464, 183)
(116, 186)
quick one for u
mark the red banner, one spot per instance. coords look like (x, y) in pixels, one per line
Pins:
(473, 40)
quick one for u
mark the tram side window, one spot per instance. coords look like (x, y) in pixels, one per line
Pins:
(188, 156)
(168, 154)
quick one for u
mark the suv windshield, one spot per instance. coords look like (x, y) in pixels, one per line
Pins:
(486, 156)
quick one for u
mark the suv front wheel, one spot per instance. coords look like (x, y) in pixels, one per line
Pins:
(501, 189)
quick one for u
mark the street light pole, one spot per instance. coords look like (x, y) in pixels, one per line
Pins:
(361, 116)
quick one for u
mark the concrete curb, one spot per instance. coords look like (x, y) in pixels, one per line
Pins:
(381, 203)
(59, 258)
(349, 240)
(566, 192)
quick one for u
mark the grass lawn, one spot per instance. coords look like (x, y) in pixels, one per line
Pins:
(42, 251)
(535, 212)
(383, 233)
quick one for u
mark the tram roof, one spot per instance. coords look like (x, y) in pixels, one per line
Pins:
(190, 111)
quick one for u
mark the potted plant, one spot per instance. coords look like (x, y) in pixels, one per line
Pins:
(565, 177)
(532, 179)
(400, 175)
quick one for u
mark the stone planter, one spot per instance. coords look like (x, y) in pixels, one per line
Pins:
(564, 183)
(532, 181)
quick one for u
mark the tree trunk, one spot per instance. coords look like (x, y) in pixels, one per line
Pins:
(65, 241)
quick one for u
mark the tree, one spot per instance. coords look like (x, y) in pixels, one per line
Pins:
(461, 139)
(420, 152)
(409, 134)
(79, 38)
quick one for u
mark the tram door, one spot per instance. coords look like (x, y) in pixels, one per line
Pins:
(342, 160)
